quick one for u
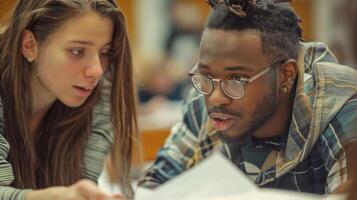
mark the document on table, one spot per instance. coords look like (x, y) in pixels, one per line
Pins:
(217, 178)
(214, 177)
(267, 194)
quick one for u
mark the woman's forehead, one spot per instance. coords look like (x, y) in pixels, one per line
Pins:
(85, 28)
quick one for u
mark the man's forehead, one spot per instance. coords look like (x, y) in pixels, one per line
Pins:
(230, 43)
(229, 49)
(230, 36)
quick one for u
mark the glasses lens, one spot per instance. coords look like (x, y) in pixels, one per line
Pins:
(202, 83)
(233, 88)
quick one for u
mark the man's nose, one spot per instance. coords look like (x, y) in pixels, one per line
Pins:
(218, 98)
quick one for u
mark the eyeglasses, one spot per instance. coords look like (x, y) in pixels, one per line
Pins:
(233, 88)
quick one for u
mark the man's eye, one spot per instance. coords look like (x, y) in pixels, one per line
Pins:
(237, 77)
(77, 52)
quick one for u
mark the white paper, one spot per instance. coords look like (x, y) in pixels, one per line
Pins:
(274, 194)
(217, 178)
(214, 177)
(142, 193)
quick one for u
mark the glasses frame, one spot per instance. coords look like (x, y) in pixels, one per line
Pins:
(243, 81)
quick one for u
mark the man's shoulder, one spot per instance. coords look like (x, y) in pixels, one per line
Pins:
(320, 62)
(336, 84)
(331, 85)
(315, 52)
(342, 128)
(337, 72)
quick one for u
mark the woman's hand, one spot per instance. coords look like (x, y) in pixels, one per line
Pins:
(82, 190)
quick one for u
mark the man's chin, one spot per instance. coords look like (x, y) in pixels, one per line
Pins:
(231, 135)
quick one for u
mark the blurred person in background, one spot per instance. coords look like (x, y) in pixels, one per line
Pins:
(157, 82)
(344, 33)
(182, 42)
(163, 79)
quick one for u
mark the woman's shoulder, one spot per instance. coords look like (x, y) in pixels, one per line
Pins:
(101, 137)
(4, 145)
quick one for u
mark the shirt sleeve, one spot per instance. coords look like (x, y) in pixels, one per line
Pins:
(341, 132)
(7, 176)
(96, 149)
(178, 149)
(101, 138)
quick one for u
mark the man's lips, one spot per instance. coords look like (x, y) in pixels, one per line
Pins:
(222, 121)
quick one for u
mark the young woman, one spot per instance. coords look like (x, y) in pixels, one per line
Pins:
(66, 99)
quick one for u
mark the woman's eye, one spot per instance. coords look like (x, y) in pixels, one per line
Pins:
(105, 54)
(77, 52)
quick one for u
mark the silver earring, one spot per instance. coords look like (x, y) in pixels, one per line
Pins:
(30, 59)
(285, 89)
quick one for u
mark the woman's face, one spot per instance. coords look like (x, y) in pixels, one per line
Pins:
(71, 61)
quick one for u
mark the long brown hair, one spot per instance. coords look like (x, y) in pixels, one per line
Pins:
(54, 157)
(352, 171)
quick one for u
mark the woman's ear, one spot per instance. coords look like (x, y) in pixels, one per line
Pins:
(29, 46)
(289, 72)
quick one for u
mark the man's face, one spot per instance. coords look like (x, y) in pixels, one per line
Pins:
(234, 54)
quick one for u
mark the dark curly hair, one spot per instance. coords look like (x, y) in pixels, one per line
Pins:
(274, 20)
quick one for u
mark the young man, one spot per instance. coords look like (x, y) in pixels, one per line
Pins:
(283, 111)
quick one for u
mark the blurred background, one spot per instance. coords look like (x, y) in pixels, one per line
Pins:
(165, 37)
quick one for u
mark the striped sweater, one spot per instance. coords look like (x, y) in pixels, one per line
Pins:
(95, 150)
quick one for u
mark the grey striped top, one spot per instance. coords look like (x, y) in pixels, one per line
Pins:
(96, 149)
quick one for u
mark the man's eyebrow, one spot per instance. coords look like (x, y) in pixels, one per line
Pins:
(229, 68)
(237, 68)
(202, 66)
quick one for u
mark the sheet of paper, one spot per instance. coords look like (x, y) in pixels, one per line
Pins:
(265, 194)
(142, 193)
(214, 177)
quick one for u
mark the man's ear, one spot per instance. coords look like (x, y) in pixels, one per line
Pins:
(288, 71)
(29, 46)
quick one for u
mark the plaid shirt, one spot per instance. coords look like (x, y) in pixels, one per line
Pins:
(313, 156)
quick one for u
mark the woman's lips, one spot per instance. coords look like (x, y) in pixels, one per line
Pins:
(82, 91)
